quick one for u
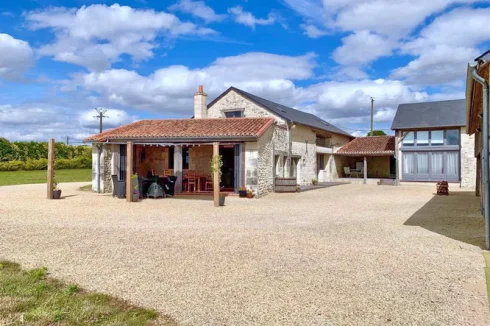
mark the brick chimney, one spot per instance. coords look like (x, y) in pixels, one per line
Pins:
(200, 104)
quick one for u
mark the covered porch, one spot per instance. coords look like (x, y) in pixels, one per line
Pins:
(370, 159)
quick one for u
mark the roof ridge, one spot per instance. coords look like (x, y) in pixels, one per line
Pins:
(458, 99)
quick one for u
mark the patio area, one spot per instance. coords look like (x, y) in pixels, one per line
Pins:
(344, 255)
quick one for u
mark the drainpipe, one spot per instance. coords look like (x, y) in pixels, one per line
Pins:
(485, 165)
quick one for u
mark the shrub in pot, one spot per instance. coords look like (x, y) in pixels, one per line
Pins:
(56, 191)
(242, 192)
(136, 192)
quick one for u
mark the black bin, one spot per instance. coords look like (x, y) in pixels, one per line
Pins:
(169, 185)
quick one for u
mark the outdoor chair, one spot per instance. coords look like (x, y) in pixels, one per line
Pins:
(208, 185)
(191, 180)
(347, 172)
(118, 187)
(168, 172)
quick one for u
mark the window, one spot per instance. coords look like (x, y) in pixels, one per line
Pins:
(409, 139)
(452, 137)
(278, 166)
(422, 138)
(437, 137)
(233, 114)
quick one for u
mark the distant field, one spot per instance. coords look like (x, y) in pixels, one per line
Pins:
(28, 177)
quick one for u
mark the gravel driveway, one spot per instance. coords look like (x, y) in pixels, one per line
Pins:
(345, 255)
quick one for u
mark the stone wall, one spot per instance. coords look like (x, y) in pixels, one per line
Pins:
(232, 101)
(468, 161)
(107, 169)
(265, 163)
(304, 145)
(199, 159)
(156, 159)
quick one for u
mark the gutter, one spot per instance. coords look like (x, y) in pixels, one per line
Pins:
(485, 163)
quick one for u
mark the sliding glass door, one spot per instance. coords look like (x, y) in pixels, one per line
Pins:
(430, 166)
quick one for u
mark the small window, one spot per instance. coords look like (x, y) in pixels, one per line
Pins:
(437, 137)
(233, 114)
(452, 137)
(422, 138)
(409, 139)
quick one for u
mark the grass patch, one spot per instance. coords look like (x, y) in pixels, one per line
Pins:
(29, 177)
(33, 298)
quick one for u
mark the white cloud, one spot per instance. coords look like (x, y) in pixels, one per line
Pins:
(444, 47)
(197, 9)
(16, 56)
(312, 31)
(96, 36)
(379, 27)
(362, 47)
(248, 19)
(169, 90)
(115, 118)
(349, 101)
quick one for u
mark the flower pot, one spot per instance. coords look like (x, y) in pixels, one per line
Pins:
(222, 200)
(57, 194)
(249, 195)
(242, 193)
(136, 197)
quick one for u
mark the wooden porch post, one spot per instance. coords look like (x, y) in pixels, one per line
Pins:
(50, 168)
(216, 175)
(365, 169)
(129, 171)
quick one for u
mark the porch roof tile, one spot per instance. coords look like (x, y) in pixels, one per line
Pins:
(187, 129)
(369, 146)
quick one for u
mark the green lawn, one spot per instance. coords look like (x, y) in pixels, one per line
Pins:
(33, 298)
(28, 177)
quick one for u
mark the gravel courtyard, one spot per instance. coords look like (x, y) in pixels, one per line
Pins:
(345, 255)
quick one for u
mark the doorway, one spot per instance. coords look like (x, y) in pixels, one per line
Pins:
(228, 169)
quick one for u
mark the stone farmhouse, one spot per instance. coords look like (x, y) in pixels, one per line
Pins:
(258, 140)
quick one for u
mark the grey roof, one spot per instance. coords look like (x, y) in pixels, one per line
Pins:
(430, 115)
(484, 56)
(288, 113)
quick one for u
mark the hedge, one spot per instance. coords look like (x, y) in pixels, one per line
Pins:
(42, 164)
(23, 151)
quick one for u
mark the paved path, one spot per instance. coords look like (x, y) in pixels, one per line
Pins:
(344, 255)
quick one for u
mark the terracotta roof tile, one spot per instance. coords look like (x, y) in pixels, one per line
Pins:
(369, 146)
(187, 129)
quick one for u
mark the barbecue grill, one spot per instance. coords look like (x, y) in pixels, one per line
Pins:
(155, 191)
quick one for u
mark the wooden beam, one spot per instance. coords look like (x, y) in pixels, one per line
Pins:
(129, 171)
(50, 168)
(365, 169)
(216, 175)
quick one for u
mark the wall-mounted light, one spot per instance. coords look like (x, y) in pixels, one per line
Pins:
(480, 115)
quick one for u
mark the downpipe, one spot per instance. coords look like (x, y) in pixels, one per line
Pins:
(99, 154)
(485, 161)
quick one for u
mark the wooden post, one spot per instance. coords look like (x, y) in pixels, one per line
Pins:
(216, 175)
(365, 169)
(50, 168)
(129, 171)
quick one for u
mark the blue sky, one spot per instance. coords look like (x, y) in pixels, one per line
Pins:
(144, 59)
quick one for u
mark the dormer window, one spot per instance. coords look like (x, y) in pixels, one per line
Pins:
(233, 113)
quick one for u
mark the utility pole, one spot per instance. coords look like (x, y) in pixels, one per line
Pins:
(372, 115)
(67, 140)
(100, 115)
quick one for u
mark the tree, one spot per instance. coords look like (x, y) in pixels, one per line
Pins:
(377, 133)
